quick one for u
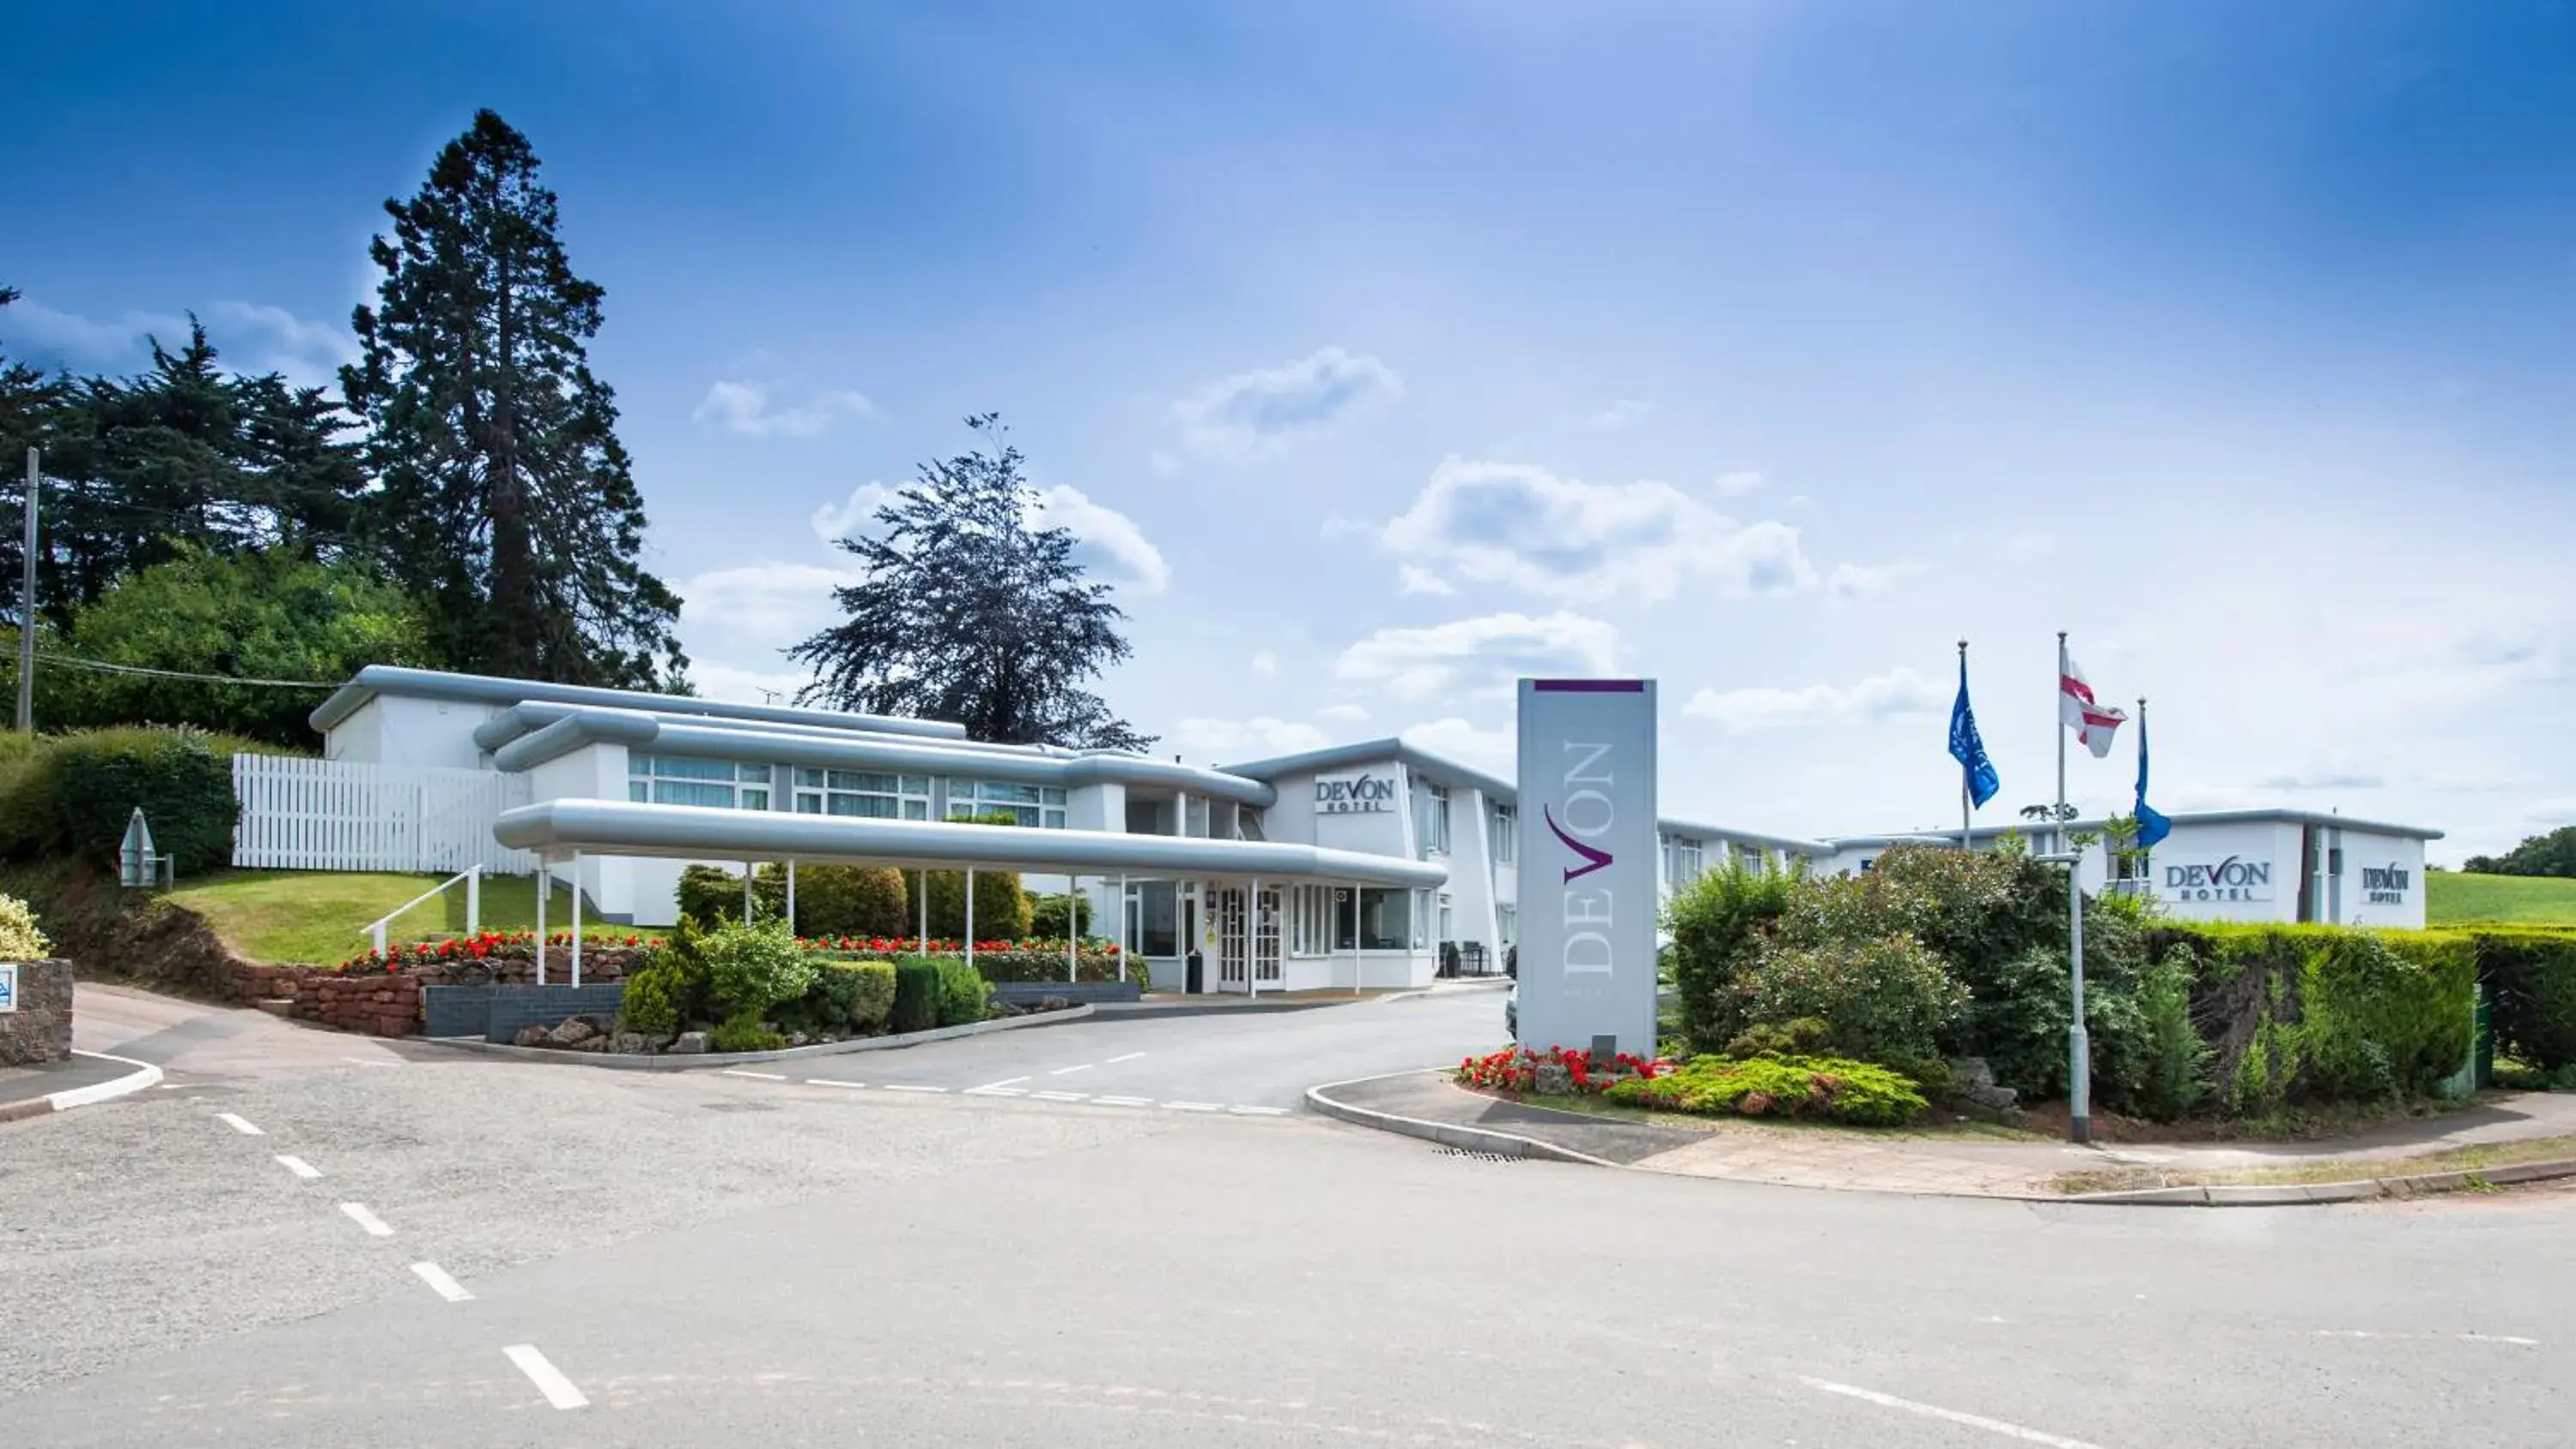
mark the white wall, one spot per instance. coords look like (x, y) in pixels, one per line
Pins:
(390, 729)
(2399, 855)
(2181, 865)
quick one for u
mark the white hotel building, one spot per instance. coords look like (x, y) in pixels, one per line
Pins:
(1343, 867)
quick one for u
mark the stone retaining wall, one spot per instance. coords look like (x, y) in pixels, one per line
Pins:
(40, 1030)
(380, 1004)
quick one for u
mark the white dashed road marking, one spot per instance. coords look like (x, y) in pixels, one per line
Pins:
(1131, 1056)
(298, 1166)
(439, 1283)
(374, 1225)
(1259, 1111)
(909, 1087)
(1954, 1416)
(831, 1082)
(1194, 1106)
(1055, 1096)
(238, 1125)
(2505, 1338)
(1124, 1101)
(548, 1379)
(995, 1086)
(759, 1076)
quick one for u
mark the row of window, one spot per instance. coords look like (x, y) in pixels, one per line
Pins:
(735, 785)
(1326, 919)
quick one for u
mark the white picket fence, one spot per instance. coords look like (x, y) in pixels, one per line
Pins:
(301, 814)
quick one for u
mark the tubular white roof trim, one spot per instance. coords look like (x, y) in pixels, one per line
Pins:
(2180, 817)
(1693, 829)
(621, 827)
(487, 689)
(868, 752)
(521, 720)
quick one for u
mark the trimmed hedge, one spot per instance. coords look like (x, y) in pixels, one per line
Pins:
(1089, 965)
(2530, 976)
(1002, 910)
(71, 795)
(963, 991)
(838, 900)
(1823, 1089)
(856, 996)
(916, 993)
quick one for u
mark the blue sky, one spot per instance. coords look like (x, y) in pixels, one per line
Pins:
(1384, 351)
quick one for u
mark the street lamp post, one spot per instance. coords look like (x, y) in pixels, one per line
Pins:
(2079, 1046)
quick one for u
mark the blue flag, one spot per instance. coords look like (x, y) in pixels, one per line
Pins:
(2152, 827)
(1969, 750)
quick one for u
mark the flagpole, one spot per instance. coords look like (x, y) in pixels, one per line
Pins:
(2057, 822)
(2147, 855)
(1967, 806)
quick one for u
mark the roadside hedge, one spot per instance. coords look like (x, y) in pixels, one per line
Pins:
(2530, 976)
(1090, 964)
(963, 991)
(916, 993)
(70, 796)
(853, 996)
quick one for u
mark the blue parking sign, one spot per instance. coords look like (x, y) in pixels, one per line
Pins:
(8, 986)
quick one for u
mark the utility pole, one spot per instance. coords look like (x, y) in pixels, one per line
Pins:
(27, 609)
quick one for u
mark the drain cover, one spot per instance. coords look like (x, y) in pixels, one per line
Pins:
(1474, 1156)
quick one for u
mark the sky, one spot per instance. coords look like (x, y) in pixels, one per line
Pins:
(1382, 353)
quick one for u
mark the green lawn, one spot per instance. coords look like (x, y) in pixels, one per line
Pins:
(2452, 898)
(315, 917)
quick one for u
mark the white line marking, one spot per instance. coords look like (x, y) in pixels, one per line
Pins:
(548, 1379)
(1069, 1071)
(439, 1283)
(370, 1062)
(908, 1087)
(2461, 1337)
(1131, 1056)
(1193, 1106)
(238, 1125)
(1055, 1096)
(1934, 1411)
(1005, 1082)
(996, 1092)
(1124, 1101)
(831, 1082)
(298, 1166)
(1259, 1111)
(374, 1225)
(761, 1076)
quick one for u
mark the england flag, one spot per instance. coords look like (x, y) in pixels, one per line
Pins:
(2076, 708)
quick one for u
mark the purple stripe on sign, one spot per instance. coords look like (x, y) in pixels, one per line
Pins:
(1589, 686)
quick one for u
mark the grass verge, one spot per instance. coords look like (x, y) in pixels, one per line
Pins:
(2456, 1159)
(1921, 1132)
(2455, 898)
(314, 917)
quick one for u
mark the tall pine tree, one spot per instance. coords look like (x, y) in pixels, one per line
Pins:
(507, 501)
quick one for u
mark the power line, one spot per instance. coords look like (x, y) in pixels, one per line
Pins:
(104, 667)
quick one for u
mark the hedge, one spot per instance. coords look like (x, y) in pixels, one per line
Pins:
(2530, 976)
(1090, 964)
(71, 795)
(916, 993)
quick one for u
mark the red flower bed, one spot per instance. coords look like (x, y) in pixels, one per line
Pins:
(1516, 1070)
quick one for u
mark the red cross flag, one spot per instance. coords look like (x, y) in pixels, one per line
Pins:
(2093, 723)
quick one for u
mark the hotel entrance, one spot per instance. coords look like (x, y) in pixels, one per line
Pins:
(1247, 921)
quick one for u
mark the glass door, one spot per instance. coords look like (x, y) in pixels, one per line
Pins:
(1265, 940)
(1231, 939)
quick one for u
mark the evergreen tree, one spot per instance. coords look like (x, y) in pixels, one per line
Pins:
(507, 503)
(967, 614)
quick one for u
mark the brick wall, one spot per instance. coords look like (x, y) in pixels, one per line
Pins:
(380, 1004)
(40, 1030)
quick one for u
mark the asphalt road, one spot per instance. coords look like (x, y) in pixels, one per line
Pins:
(716, 1258)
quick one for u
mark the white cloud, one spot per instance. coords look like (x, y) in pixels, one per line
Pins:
(835, 521)
(1480, 657)
(1245, 739)
(715, 679)
(1259, 414)
(1735, 485)
(1850, 581)
(1899, 691)
(736, 621)
(1264, 662)
(1467, 743)
(250, 338)
(1626, 412)
(1343, 713)
(1525, 528)
(1163, 464)
(1416, 579)
(2026, 547)
(745, 407)
(1111, 542)
(2323, 780)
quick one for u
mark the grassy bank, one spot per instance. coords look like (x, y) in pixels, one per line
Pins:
(2452, 898)
(308, 917)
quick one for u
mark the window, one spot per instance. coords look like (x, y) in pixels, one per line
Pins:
(1448, 923)
(1035, 805)
(1507, 924)
(1752, 858)
(1390, 920)
(859, 793)
(1158, 918)
(1346, 919)
(1421, 920)
(1431, 819)
(1507, 833)
(1310, 921)
(2129, 865)
(1681, 861)
(679, 780)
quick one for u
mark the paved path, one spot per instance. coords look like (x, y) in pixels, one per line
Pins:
(198, 1044)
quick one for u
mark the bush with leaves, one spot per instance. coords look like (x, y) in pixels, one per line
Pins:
(744, 1032)
(652, 1002)
(19, 938)
(1717, 923)
(853, 996)
(1823, 1089)
(1002, 911)
(838, 900)
(963, 992)
(1881, 999)
(72, 795)
(916, 994)
(753, 968)
(2530, 976)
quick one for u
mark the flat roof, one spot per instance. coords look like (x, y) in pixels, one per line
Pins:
(488, 689)
(2185, 817)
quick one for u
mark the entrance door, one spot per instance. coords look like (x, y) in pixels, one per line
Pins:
(1265, 940)
(1228, 904)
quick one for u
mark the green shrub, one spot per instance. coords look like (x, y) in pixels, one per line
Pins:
(712, 895)
(2170, 1081)
(853, 996)
(753, 968)
(1822, 1089)
(838, 900)
(1884, 999)
(19, 938)
(1047, 914)
(653, 1000)
(71, 795)
(916, 994)
(743, 1032)
(1002, 911)
(1716, 923)
(1089, 965)
(2530, 976)
(1804, 1037)
(963, 991)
